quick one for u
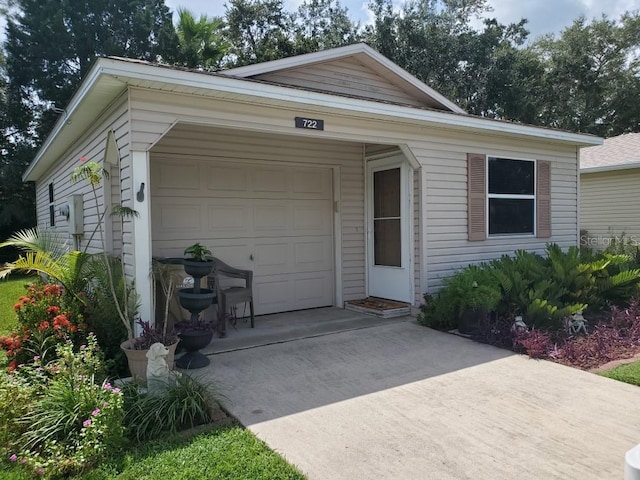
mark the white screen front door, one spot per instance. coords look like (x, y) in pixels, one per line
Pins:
(389, 260)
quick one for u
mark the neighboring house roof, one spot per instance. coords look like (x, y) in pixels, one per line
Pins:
(110, 77)
(366, 55)
(616, 153)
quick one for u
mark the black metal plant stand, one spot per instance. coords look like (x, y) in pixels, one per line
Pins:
(197, 335)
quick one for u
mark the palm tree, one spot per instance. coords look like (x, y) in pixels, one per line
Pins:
(201, 42)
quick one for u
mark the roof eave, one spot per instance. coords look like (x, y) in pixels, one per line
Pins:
(220, 83)
(125, 72)
(610, 168)
(80, 96)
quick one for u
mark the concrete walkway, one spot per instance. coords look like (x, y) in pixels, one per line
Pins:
(400, 401)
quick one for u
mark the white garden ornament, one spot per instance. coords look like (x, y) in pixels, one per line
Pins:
(157, 369)
(519, 326)
(577, 323)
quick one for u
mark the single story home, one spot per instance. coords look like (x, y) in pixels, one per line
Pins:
(332, 175)
(610, 192)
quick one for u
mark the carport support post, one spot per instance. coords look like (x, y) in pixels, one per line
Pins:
(142, 234)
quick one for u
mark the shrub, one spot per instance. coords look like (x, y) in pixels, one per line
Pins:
(185, 403)
(544, 290)
(45, 316)
(473, 287)
(67, 421)
(102, 317)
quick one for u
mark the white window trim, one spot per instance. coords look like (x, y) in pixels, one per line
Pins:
(513, 196)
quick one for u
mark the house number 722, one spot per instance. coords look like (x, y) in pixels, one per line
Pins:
(309, 123)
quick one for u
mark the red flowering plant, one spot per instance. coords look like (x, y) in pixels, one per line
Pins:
(45, 316)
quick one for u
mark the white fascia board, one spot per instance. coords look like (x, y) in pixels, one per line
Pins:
(295, 61)
(218, 83)
(610, 168)
(407, 77)
(126, 71)
(72, 106)
(341, 52)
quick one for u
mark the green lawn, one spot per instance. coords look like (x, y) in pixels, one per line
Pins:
(225, 453)
(629, 373)
(10, 289)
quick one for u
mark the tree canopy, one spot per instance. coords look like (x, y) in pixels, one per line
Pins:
(586, 79)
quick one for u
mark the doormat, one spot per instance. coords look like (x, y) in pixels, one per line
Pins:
(380, 307)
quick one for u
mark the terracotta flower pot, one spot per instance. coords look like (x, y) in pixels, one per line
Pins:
(138, 361)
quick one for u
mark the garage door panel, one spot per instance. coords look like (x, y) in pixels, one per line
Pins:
(170, 217)
(312, 217)
(281, 293)
(311, 255)
(271, 217)
(171, 176)
(312, 183)
(274, 220)
(272, 295)
(227, 179)
(229, 219)
(312, 291)
(271, 180)
(272, 258)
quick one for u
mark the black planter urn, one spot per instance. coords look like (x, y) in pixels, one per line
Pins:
(197, 269)
(193, 334)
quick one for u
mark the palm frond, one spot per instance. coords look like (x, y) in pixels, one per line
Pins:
(39, 240)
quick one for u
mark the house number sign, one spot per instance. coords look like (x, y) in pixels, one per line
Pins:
(309, 123)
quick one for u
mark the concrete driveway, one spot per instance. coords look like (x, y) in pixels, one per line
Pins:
(400, 401)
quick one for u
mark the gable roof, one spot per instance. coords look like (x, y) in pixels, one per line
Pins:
(109, 78)
(616, 153)
(366, 55)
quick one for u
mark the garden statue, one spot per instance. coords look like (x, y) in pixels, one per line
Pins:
(577, 323)
(519, 326)
(157, 368)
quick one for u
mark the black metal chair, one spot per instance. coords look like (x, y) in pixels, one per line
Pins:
(233, 295)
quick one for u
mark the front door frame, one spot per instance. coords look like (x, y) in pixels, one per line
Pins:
(383, 162)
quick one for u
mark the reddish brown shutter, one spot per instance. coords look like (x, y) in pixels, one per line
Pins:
(543, 199)
(476, 196)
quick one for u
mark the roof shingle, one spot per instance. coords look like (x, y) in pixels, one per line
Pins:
(614, 152)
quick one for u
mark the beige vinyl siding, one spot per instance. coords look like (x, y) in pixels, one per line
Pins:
(610, 205)
(417, 240)
(444, 161)
(189, 144)
(347, 76)
(91, 145)
(441, 153)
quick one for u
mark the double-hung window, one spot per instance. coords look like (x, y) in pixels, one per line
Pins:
(507, 196)
(511, 196)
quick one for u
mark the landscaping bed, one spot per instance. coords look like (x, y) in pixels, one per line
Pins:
(574, 307)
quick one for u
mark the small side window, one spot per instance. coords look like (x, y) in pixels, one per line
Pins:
(52, 210)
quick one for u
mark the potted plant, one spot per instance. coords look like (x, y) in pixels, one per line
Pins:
(121, 291)
(198, 260)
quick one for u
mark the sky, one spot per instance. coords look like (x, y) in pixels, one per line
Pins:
(545, 16)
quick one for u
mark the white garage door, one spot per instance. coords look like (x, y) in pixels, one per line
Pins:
(274, 220)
